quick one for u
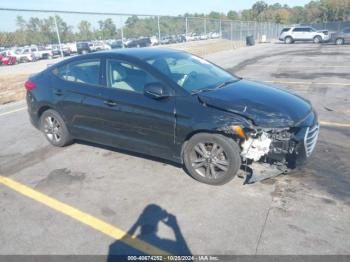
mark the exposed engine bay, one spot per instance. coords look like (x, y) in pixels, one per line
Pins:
(271, 152)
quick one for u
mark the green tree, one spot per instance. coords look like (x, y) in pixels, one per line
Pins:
(85, 32)
(107, 28)
(232, 15)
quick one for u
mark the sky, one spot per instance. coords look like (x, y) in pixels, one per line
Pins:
(161, 7)
(152, 7)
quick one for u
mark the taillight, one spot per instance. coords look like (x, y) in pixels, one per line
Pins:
(29, 85)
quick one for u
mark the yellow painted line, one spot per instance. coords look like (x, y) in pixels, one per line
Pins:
(13, 111)
(302, 66)
(305, 83)
(334, 124)
(82, 217)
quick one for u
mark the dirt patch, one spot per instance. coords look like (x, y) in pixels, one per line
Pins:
(13, 163)
(62, 178)
(11, 88)
(207, 47)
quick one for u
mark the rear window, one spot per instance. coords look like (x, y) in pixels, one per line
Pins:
(82, 45)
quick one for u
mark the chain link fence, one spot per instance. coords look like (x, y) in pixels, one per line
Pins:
(331, 26)
(62, 29)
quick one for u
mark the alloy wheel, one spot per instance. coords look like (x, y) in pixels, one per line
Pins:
(209, 160)
(52, 129)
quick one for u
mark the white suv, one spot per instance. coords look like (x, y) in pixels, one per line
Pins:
(303, 33)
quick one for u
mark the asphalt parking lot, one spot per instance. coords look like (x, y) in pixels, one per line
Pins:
(84, 199)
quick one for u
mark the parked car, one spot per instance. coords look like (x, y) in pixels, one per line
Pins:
(116, 44)
(203, 37)
(7, 59)
(303, 33)
(72, 47)
(180, 38)
(99, 46)
(189, 37)
(168, 40)
(25, 55)
(21, 57)
(38, 52)
(214, 35)
(138, 42)
(342, 37)
(173, 105)
(84, 47)
(56, 50)
(154, 41)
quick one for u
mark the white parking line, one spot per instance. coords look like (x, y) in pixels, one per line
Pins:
(301, 66)
(334, 124)
(304, 83)
(13, 111)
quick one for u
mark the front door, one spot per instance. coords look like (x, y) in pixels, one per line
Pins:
(130, 119)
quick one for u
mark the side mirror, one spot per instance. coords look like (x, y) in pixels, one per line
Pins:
(156, 91)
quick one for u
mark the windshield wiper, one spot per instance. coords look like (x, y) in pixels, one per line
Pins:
(221, 85)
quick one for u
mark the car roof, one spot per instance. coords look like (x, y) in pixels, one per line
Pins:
(142, 53)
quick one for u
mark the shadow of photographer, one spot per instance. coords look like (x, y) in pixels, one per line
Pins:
(146, 229)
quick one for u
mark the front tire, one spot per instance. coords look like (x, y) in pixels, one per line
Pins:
(317, 39)
(212, 158)
(55, 129)
(288, 40)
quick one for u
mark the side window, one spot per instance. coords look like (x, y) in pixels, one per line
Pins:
(310, 29)
(86, 71)
(347, 31)
(301, 29)
(125, 76)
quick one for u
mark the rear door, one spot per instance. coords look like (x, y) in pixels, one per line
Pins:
(298, 33)
(72, 83)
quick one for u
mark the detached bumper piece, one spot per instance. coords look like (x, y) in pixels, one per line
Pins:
(261, 171)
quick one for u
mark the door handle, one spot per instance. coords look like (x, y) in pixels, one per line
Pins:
(58, 92)
(110, 103)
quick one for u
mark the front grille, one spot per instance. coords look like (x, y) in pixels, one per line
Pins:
(310, 139)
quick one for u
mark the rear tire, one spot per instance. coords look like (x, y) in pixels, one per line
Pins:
(317, 39)
(55, 129)
(288, 40)
(339, 41)
(212, 158)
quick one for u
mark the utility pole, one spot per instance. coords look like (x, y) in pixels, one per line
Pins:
(58, 35)
(158, 29)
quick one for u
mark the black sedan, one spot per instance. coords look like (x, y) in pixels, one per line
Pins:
(176, 106)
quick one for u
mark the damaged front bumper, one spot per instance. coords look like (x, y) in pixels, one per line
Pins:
(268, 152)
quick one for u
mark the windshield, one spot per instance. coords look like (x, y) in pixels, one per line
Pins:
(190, 72)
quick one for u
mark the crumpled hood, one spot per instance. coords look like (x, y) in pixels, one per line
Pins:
(265, 105)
